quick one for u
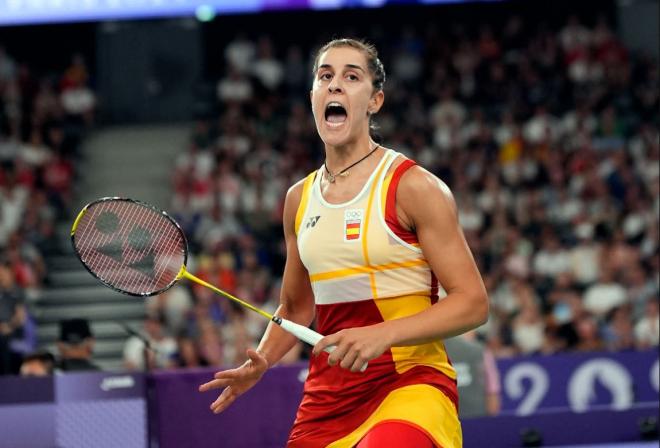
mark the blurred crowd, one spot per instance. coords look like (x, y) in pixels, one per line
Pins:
(548, 138)
(43, 116)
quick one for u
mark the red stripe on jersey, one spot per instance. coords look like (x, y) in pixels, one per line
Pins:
(391, 217)
(353, 237)
(353, 225)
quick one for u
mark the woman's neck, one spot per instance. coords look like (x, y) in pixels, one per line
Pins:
(338, 157)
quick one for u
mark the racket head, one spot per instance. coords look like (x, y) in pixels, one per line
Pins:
(130, 246)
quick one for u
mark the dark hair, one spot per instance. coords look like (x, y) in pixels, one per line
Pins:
(374, 65)
(74, 331)
(42, 356)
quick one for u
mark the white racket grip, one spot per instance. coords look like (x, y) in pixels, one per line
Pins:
(308, 335)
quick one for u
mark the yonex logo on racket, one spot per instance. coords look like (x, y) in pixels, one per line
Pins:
(138, 240)
(130, 246)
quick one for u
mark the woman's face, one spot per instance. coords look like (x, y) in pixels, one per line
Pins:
(342, 96)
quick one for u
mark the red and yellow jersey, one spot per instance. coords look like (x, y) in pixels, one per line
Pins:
(365, 269)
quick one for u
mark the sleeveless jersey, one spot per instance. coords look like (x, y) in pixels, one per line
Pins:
(365, 269)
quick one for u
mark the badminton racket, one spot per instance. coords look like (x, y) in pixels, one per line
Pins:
(139, 250)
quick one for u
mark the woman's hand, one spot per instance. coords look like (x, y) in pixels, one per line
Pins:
(236, 381)
(355, 346)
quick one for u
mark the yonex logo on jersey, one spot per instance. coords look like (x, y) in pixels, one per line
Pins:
(312, 221)
(353, 224)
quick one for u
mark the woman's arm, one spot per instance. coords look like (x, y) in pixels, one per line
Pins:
(296, 298)
(427, 206)
(296, 304)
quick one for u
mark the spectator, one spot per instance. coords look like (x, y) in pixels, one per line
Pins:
(161, 352)
(75, 346)
(585, 255)
(39, 363)
(529, 327)
(478, 377)
(647, 329)
(240, 52)
(13, 316)
(174, 305)
(235, 86)
(618, 331)
(604, 295)
(267, 69)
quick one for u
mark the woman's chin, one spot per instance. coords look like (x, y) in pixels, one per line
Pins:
(336, 137)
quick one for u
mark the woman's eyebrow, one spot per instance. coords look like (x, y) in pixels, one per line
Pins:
(353, 66)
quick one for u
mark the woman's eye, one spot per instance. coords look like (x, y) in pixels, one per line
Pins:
(326, 76)
(352, 77)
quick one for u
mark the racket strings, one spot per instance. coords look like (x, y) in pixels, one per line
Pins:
(150, 248)
(115, 208)
(103, 266)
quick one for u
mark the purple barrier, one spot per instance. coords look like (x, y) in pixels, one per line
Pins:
(259, 419)
(561, 428)
(579, 382)
(110, 410)
(102, 410)
(73, 410)
(262, 417)
(27, 412)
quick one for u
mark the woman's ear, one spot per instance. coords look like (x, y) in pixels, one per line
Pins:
(376, 102)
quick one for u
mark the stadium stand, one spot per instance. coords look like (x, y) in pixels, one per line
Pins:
(546, 134)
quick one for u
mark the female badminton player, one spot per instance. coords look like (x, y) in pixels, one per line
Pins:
(371, 238)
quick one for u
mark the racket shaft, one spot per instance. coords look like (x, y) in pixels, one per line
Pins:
(199, 281)
(301, 332)
(310, 336)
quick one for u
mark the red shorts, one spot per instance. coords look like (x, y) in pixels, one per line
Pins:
(395, 435)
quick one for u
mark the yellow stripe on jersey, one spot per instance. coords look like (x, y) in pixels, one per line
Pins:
(383, 192)
(307, 185)
(365, 251)
(356, 270)
(431, 354)
(370, 202)
(419, 403)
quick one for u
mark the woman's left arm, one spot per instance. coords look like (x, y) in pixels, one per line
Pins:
(427, 206)
(424, 204)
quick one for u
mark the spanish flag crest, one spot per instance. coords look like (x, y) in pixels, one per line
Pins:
(353, 224)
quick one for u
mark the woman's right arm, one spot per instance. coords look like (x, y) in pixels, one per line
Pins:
(296, 298)
(296, 304)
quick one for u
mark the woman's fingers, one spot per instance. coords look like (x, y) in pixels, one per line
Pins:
(337, 355)
(224, 400)
(358, 364)
(215, 384)
(348, 359)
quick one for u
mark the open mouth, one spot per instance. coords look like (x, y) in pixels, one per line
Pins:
(335, 113)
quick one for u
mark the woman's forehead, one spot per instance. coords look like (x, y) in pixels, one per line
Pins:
(338, 57)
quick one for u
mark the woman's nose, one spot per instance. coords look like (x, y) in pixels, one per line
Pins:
(334, 86)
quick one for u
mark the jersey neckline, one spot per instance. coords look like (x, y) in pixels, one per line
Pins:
(365, 187)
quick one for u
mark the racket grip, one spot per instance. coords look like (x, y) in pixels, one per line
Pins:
(308, 335)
